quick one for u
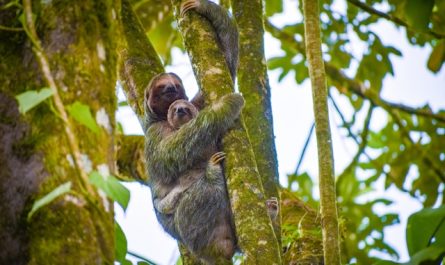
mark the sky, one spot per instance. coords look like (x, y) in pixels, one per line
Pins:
(292, 109)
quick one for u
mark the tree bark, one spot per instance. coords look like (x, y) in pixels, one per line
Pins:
(139, 61)
(79, 43)
(324, 142)
(253, 83)
(256, 238)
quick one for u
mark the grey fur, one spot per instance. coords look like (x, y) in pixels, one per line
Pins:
(202, 219)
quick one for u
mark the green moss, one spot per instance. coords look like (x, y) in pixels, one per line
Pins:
(65, 233)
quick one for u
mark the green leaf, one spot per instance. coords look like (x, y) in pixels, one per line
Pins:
(120, 247)
(60, 190)
(112, 187)
(432, 253)
(418, 13)
(31, 98)
(273, 7)
(437, 57)
(423, 226)
(81, 113)
(126, 262)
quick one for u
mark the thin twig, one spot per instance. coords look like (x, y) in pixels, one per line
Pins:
(5, 28)
(131, 253)
(72, 140)
(306, 144)
(389, 17)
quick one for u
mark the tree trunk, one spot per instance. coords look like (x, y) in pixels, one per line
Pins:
(256, 238)
(253, 83)
(324, 142)
(78, 41)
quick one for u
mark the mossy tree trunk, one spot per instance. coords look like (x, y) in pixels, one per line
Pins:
(324, 142)
(256, 236)
(253, 83)
(79, 42)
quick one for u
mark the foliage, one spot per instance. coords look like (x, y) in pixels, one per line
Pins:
(31, 98)
(407, 151)
(82, 114)
(425, 237)
(48, 198)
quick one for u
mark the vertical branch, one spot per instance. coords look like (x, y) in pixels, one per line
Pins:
(256, 237)
(139, 63)
(72, 140)
(324, 142)
(254, 85)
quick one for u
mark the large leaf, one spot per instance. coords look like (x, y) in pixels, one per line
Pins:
(437, 57)
(60, 190)
(81, 113)
(418, 13)
(31, 98)
(112, 187)
(423, 226)
(273, 7)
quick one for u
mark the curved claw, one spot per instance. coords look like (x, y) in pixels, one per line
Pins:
(217, 157)
(187, 5)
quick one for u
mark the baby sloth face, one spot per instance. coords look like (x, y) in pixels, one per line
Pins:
(180, 112)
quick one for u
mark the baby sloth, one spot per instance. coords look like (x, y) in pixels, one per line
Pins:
(179, 113)
(200, 202)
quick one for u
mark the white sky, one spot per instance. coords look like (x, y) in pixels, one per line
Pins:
(413, 85)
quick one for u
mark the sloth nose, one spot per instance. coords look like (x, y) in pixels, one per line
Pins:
(170, 89)
(181, 111)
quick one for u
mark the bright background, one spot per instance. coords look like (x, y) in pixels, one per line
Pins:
(412, 85)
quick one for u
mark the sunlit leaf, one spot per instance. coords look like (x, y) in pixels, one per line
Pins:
(60, 190)
(422, 226)
(437, 57)
(112, 187)
(82, 113)
(273, 7)
(31, 98)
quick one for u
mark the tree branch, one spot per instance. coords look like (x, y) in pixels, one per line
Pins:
(139, 63)
(389, 17)
(306, 144)
(256, 240)
(328, 202)
(253, 83)
(69, 131)
(131, 159)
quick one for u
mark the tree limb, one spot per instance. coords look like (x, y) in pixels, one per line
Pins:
(256, 237)
(253, 83)
(139, 63)
(131, 159)
(389, 17)
(328, 202)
